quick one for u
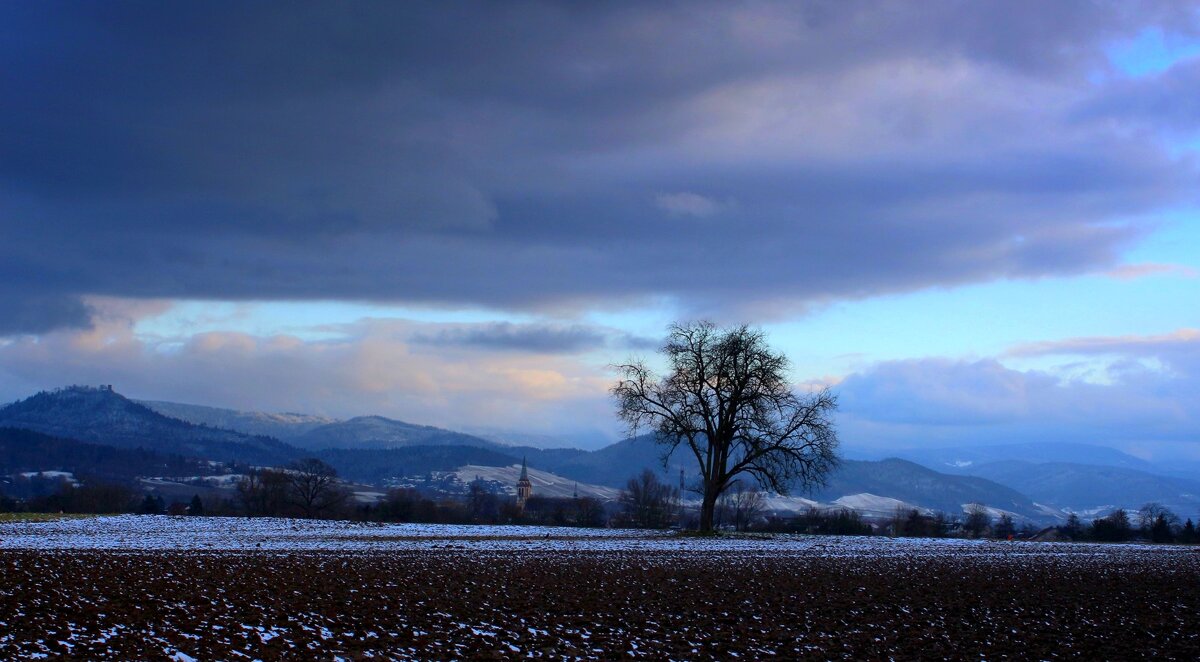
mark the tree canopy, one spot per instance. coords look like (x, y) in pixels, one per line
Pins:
(727, 399)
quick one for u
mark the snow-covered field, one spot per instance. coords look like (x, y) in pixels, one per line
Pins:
(165, 533)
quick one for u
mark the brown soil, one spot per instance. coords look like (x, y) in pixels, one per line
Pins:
(446, 604)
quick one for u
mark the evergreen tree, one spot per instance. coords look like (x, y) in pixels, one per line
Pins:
(196, 507)
(1004, 527)
(1160, 530)
(151, 505)
(1187, 536)
(1073, 529)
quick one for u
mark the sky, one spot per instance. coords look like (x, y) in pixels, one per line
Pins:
(977, 223)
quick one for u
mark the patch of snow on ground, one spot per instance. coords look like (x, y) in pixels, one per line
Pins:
(165, 533)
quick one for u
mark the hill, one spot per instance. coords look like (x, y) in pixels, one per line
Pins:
(914, 484)
(377, 466)
(378, 433)
(375, 432)
(892, 478)
(544, 483)
(614, 464)
(102, 416)
(375, 449)
(964, 459)
(25, 451)
(1091, 489)
(283, 426)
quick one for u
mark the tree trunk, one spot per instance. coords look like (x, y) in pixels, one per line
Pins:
(707, 507)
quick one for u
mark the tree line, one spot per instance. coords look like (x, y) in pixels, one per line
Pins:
(310, 488)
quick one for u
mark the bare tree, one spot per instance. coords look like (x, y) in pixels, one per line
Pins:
(1005, 527)
(648, 503)
(744, 503)
(484, 506)
(314, 486)
(978, 520)
(1112, 528)
(1149, 513)
(727, 399)
(263, 492)
(1157, 522)
(589, 511)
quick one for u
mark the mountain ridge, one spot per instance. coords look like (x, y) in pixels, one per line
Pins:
(378, 449)
(282, 425)
(102, 416)
(1087, 488)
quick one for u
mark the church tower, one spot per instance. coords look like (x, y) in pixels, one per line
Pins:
(524, 487)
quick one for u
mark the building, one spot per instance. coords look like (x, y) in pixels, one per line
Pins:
(524, 487)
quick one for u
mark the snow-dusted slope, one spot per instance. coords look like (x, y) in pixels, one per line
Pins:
(281, 426)
(871, 505)
(544, 483)
(788, 504)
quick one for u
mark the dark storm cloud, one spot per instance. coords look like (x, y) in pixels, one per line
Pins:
(21, 312)
(539, 338)
(537, 154)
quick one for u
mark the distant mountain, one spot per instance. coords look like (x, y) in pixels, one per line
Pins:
(283, 426)
(963, 459)
(522, 439)
(26, 451)
(102, 416)
(614, 464)
(376, 466)
(377, 432)
(374, 449)
(581, 440)
(912, 483)
(319, 433)
(1092, 489)
(892, 478)
(611, 467)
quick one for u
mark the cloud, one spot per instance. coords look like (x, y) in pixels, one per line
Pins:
(1162, 101)
(22, 312)
(959, 402)
(502, 155)
(687, 204)
(1144, 270)
(540, 338)
(1169, 347)
(369, 368)
(1139, 391)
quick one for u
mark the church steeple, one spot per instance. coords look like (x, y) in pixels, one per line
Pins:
(524, 486)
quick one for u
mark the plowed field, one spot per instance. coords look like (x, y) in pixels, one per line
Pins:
(995, 600)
